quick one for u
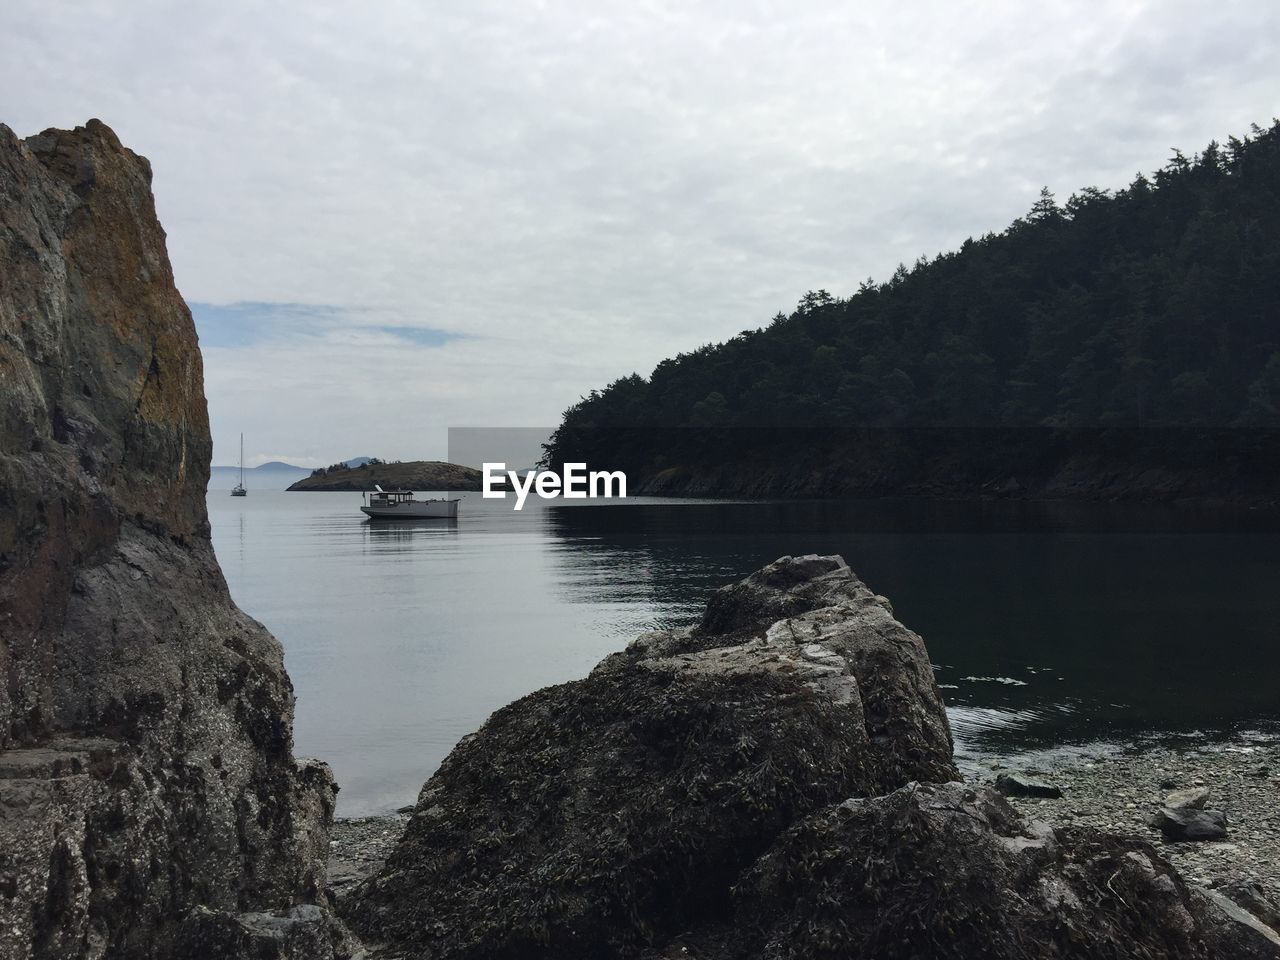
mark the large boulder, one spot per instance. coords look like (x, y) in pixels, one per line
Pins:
(950, 871)
(146, 764)
(598, 817)
(817, 599)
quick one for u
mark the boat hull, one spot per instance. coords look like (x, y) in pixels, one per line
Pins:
(414, 510)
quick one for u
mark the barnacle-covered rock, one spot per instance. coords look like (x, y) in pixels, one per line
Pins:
(599, 816)
(950, 871)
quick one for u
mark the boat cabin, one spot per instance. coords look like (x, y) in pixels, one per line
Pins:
(389, 498)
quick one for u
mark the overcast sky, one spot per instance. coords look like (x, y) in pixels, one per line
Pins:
(391, 218)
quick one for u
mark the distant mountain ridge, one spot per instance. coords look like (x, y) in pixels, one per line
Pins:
(272, 475)
(269, 465)
(282, 465)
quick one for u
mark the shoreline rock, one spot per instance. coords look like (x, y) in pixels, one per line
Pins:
(1249, 859)
(598, 816)
(1119, 787)
(1015, 785)
(895, 877)
(147, 779)
(1191, 824)
(1238, 880)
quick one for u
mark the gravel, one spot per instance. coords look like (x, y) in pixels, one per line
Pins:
(1118, 787)
(358, 846)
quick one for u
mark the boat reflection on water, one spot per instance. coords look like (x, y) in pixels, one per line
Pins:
(397, 533)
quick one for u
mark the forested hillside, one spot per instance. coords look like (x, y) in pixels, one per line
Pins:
(1151, 309)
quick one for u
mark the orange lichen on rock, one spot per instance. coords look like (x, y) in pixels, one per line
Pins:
(149, 797)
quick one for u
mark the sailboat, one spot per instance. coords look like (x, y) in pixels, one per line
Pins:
(238, 490)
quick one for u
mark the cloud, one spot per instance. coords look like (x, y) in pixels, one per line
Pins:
(503, 205)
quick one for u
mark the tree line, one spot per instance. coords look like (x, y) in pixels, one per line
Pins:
(1150, 306)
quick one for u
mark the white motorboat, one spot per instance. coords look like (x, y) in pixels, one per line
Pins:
(400, 505)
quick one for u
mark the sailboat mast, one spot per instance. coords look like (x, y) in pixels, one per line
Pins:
(238, 489)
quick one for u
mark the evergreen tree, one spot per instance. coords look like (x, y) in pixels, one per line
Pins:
(1154, 306)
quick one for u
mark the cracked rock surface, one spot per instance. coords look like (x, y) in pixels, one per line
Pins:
(601, 815)
(146, 772)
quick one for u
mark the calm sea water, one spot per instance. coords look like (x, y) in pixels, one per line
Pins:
(1048, 623)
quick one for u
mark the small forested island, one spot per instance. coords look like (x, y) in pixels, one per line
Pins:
(1122, 345)
(406, 475)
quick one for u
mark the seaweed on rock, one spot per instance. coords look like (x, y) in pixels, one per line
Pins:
(949, 871)
(597, 817)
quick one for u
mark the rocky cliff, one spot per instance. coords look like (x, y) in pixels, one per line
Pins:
(149, 798)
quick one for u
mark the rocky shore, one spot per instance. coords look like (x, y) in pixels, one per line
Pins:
(359, 846)
(1118, 788)
(1111, 787)
(779, 780)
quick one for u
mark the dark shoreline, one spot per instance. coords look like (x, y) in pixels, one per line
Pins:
(1208, 464)
(1262, 502)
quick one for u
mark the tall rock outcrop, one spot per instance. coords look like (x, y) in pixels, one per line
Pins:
(147, 781)
(597, 817)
